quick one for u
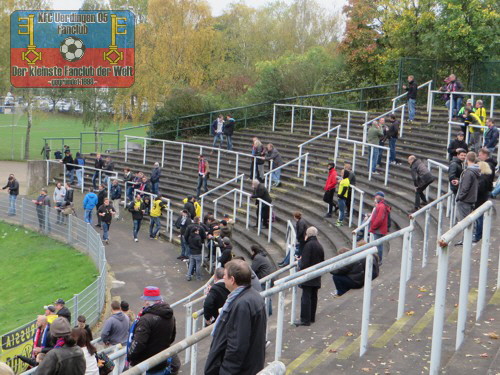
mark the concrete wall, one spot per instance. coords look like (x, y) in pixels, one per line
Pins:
(37, 174)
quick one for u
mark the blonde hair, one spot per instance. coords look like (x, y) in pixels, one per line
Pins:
(5, 370)
(484, 167)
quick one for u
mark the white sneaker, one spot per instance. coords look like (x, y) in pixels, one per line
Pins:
(136, 240)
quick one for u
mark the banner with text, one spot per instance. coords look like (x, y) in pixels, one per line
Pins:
(17, 342)
(72, 48)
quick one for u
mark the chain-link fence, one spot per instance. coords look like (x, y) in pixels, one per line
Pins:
(73, 231)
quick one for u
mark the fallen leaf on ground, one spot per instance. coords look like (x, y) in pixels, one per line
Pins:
(492, 335)
(349, 334)
(365, 369)
(484, 355)
(410, 313)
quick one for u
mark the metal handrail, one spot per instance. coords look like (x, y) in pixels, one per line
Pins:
(394, 100)
(365, 125)
(363, 144)
(270, 221)
(235, 191)
(241, 178)
(268, 175)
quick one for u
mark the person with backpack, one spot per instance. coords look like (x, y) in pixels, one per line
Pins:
(380, 221)
(352, 276)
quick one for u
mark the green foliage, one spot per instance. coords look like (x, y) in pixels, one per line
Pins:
(296, 74)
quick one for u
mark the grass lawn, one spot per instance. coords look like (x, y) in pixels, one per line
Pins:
(49, 125)
(35, 271)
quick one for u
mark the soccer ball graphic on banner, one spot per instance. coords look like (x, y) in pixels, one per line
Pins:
(72, 49)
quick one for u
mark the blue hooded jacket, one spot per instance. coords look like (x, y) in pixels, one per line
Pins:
(90, 201)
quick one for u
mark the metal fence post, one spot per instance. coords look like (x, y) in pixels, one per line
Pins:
(402, 277)
(70, 229)
(348, 123)
(293, 119)
(46, 214)
(279, 327)
(22, 211)
(336, 150)
(311, 121)
(75, 308)
(189, 312)
(274, 116)
(162, 153)
(483, 268)
(464, 286)
(329, 122)
(182, 159)
(367, 293)
(439, 311)
(299, 161)
(144, 153)
(305, 169)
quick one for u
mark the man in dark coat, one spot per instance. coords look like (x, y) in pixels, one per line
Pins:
(189, 206)
(261, 264)
(155, 178)
(101, 194)
(239, 333)
(98, 164)
(312, 254)
(421, 179)
(216, 297)
(152, 332)
(228, 131)
(62, 310)
(273, 154)
(455, 169)
(260, 191)
(457, 143)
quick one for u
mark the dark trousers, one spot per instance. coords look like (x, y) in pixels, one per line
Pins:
(265, 215)
(308, 304)
(202, 181)
(343, 284)
(419, 195)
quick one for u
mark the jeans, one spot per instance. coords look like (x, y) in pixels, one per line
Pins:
(130, 193)
(79, 176)
(380, 153)
(219, 137)
(478, 230)
(12, 204)
(95, 178)
(496, 191)
(155, 187)
(456, 105)
(137, 226)
(154, 226)
(202, 180)
(298, 252)
(105, 230)
(411, 109)
(380, 247)
(70, 175)
(43, 219)
(392, 149)
(343, 284)
(342, 206)
(88, 216)
(276, 176)
(194, 261)
(229, 139)
(185, 250)
(308, 304)
(59, 212)
(373, 162)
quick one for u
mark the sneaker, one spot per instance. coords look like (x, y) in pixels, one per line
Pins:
(268, 344)
(107, 242)
(339, 223)
(180, 257)
(328, 215)
(188, 278)
(459, 243)
(136, 240)
(375, 172)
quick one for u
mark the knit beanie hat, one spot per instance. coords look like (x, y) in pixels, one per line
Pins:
(60, 327)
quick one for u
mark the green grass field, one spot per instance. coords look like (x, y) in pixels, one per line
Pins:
(35, 271)
(47, 125)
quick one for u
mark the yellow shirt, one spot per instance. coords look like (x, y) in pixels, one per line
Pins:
(158, 204)
(481, 115)
(344, 188)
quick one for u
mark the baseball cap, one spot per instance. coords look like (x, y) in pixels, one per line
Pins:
(151, 293)
(51, 308)
(380, 193)
(60, 301)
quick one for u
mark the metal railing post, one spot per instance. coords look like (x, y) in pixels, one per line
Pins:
(293, 119)
(450, 109)
(367, 293)
(311, 121)
(218, 162)
(348, 123)
(64, 175)
(237, 162)
(483, 265)
(336, 150)
(299, 161)
(387, 164)
(425, 248)
(270, 221)
(70, 229)
(439, 311)
(329, 122)
(22, 211)
(75, 307)
(354, 157)
(274, 116)
(46, 213)
(279, 327)
(182, 157)
(370, 164)
(305, 169)
(162, 153)
(463, 300)
(144, 152)
(351, 207)
(402, 121)
(189, 321)
(126, 148)
(259, 219)
(248, 212)
(402, 277)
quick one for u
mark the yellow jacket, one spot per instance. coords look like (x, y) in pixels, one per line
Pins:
(481, 115)
(197, 207)
(344, 188)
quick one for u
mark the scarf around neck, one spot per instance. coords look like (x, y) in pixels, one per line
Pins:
(230, 299)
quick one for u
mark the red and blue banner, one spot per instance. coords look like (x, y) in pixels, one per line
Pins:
(65, 48)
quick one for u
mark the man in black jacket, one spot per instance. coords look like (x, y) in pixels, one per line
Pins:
(189, 206)
(260, 191)
(216, 297)
(411, 96)
(352, 276)
(456, 144)
(98, 164)
(13, 190)
(152, 332)
(155, 178)
(467, 188)
(392, 135)
(182, 223)
(62, 310)
(101, 194)
(195, 246)
(239, 333)
(106, 212)
(455, 169)
(421, 179)
(312, 254)
(227, 251)
(137, 208)
(70, 169)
